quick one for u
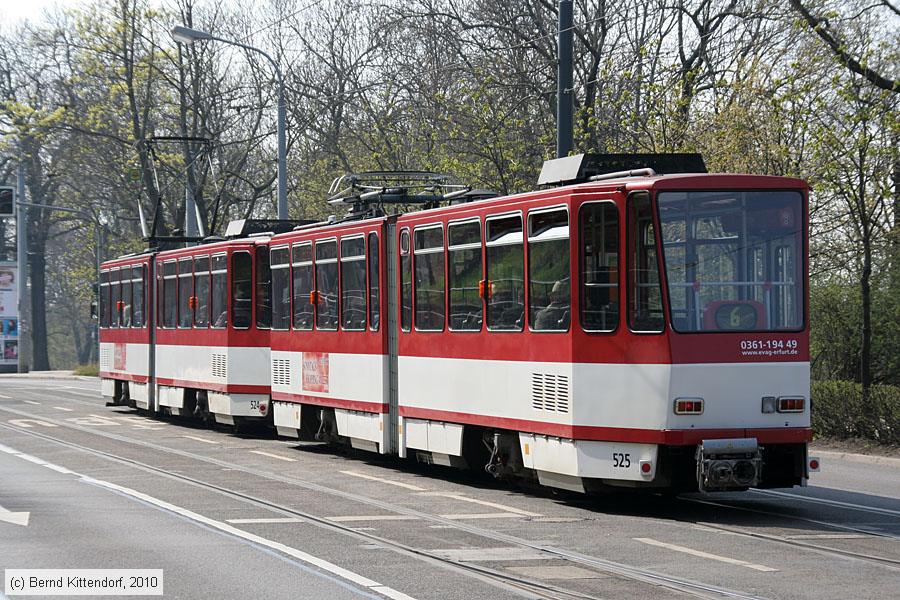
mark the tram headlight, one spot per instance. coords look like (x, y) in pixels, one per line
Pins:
(769, 403)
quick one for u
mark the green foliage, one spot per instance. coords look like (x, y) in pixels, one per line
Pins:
(838, 411)
(90, 370)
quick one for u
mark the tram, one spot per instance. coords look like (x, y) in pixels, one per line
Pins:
(643, 327)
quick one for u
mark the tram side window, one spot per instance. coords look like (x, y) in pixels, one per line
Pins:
(104, 299)
(201, 292)
(374, 279)
(170, 295)
(241, 289)
(326, 285)
(429, 274)
(115, 297)
(505, 286)
(219, 297)
(281, 288)
(137, 291)
(549, 281)
(644, 295)
(464, 274)
(263, 289)
(353, 284)
(126, 297)
(302, 286)
(405, 282)
(599, 267)
(185, 292)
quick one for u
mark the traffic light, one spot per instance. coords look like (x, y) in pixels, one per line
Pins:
(7, 201)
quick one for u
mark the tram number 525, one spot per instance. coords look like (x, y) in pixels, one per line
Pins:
(621, 461)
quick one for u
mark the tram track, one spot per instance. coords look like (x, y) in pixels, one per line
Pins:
(535, 588)
(601, 564)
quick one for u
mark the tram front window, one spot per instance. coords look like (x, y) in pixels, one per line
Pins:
(733, 259)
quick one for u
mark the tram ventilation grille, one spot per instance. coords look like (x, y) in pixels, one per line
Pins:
(281, 371)
(105, 359)
(219, 364)
(550, 392)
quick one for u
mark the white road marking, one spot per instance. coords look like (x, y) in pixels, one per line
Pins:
(468, 516)
(15, 518)
(701, 554)
(63, 408)
(31, 402)
(5, 397)
(24, 423)
(828, 536)
(491, 554)
(407, 486)
(301, 556)
(357, 518)
(270, 455)
(267, 520)
(90, 395)
(862, 507)
(200, 439)
(502, 507)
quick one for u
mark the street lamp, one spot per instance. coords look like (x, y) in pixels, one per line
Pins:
(186, 35)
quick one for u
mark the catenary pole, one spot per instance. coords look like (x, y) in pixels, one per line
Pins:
(564, 91)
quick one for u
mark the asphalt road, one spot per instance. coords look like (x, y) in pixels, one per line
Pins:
(229, 516)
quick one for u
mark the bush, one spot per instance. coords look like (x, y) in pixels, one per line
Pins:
(838, 411)
(91, 370)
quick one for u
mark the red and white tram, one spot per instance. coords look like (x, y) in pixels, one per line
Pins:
(206, 345)
(632, 329)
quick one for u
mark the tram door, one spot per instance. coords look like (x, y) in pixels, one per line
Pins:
(390, 261)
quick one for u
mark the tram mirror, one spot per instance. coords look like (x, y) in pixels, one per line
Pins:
(94, 314)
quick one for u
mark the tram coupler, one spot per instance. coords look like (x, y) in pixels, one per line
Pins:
(729, 464)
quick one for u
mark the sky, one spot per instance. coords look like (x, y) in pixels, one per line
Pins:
(13, 11)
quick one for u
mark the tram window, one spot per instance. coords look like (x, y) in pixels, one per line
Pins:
(170, 295)
(599, 266)
(219, 298)
(374, 299)
(185, 293)
(429, 283)
(505, 287)
(263, 289)
(281, 288)
(302, 285)
(405, 282)
(464, 274)
(787, 310)
(201, 291)
(326, 285)
(549, 281)
(160, 291)
(126, 297)
(137, 294)
(644, 295)
(241, 289)
(353, 284)
(115, 297)
(104, 299)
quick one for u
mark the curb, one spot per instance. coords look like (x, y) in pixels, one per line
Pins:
(858, 458)
(55, 375)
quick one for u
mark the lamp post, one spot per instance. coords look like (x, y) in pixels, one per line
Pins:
(186, 35)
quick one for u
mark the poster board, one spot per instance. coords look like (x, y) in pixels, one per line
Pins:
(9, 314)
